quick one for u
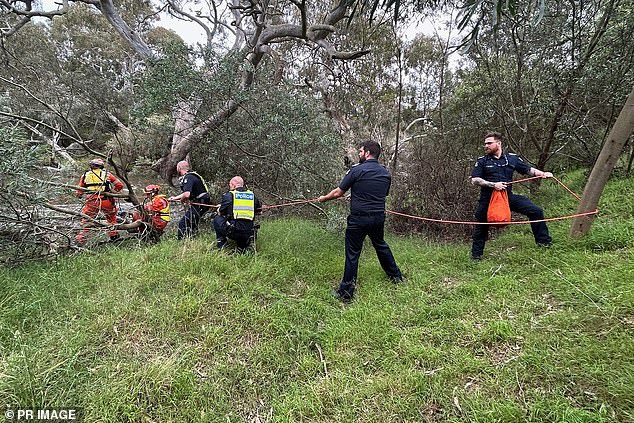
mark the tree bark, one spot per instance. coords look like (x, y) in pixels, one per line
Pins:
(621, 131)
(131, 37)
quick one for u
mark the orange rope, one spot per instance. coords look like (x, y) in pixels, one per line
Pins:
(567, 189)
(539, 177)
(205, 205)
(196, 204)
(427, 219)
(517, 222)
(289, 204)
(524, 180)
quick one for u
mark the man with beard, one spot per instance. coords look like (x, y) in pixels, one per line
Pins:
(492, 172)
(369, 183)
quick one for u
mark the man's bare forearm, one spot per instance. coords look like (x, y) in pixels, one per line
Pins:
(482, 183)
(335, 193)
(539, 173)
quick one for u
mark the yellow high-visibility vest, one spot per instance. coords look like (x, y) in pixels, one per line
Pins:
(96, 180)
(201, 179)
(164, 212)
(243, 204)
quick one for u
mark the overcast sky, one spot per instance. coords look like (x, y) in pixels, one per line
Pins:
(192, 33)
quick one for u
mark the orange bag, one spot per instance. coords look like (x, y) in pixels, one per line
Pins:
(499, 210)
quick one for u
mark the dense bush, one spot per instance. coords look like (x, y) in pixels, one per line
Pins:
(280, 142)
(433, 182)
(25, 232)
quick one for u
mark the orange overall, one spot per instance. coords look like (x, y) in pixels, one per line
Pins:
(100, 181)
(157, 209)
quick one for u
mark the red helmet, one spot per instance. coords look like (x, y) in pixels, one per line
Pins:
(94, 163)
(152, 189)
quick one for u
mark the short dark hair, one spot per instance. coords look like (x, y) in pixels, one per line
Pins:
(372, 147)
(493, 134)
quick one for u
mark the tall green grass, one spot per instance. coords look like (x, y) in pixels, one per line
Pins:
(178, 332)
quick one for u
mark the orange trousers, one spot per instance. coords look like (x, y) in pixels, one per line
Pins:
(92, 208)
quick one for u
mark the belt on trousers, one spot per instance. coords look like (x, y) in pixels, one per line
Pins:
(360, 213)
(101, 197)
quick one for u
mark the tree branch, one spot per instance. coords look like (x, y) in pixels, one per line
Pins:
(42, 102)
(27, 13)
(209, 33)
(131, 37)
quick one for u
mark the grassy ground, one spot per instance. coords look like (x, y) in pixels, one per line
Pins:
(175, 332)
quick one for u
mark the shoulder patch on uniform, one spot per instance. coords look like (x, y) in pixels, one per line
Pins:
(352, 167)
(184, 180)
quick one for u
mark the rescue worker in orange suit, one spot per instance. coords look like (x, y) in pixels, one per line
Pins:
(235, 216)
(157, 210)
(97, 183)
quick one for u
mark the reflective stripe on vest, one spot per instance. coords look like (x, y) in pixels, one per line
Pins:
(191, 172)
(164, 213)
(96, 180)
(243, 204)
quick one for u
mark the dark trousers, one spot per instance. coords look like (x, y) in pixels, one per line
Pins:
(358, 228)
(519, 204)
(223, 231)
(188, 225)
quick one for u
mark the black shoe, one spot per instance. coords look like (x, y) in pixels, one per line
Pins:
(344, 299)
(544, 244)
(476, 258)
(397, 279)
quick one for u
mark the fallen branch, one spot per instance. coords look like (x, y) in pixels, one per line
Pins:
(95, 222)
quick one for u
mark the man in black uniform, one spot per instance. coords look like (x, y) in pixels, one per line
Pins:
(194, 190)
(235, 216)
(492, 172)
(370, 183)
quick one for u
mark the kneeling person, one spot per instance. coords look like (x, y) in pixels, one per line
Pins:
(236, 214)
(157, 210)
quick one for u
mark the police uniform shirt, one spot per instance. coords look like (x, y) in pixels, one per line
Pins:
(226, 210)
(498, 170)
(370, 183)
(193, 184)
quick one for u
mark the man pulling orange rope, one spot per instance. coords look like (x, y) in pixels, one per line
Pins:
(493, 173)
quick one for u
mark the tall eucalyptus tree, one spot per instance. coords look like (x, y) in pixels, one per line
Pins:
(254, 29)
